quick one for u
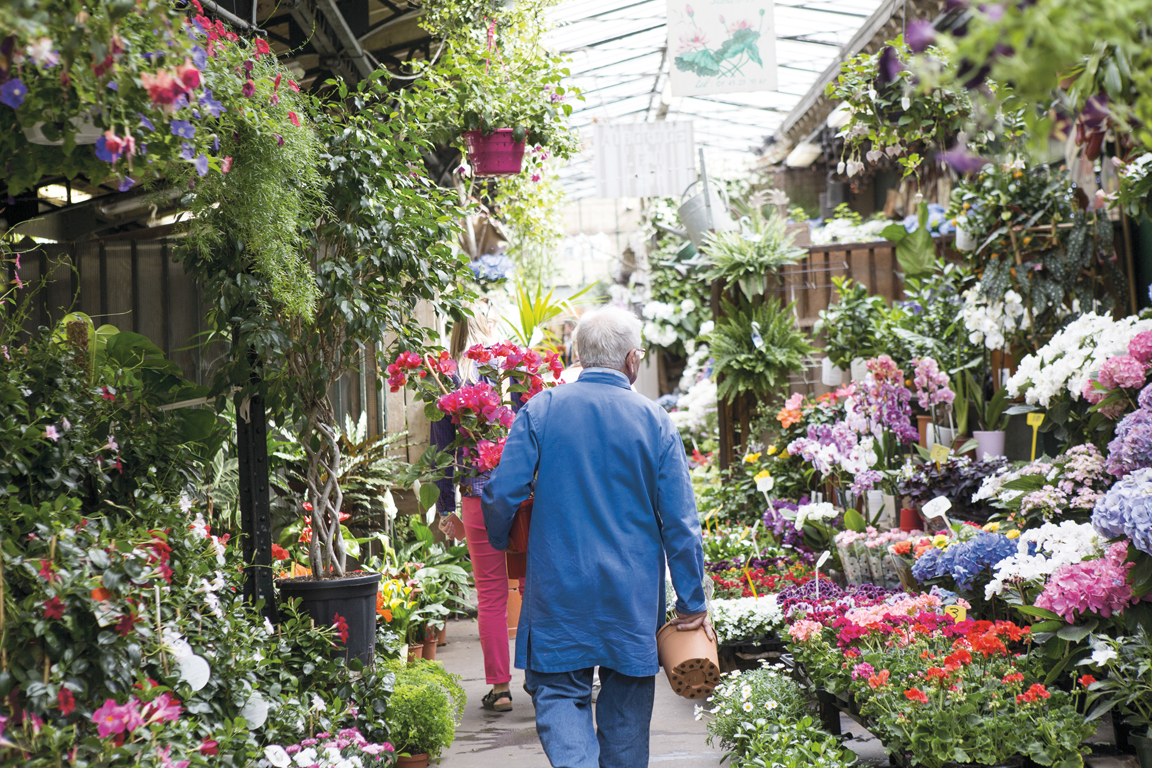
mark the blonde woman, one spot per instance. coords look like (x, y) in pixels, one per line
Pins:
(489, 565)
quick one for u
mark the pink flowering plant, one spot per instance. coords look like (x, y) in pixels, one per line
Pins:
(1048, 490)
(332, 750)
(482, 410)
(1114, 389)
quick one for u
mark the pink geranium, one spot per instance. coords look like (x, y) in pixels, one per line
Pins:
(804, 630)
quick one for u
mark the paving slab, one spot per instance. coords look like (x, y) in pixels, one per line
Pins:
(508, 740)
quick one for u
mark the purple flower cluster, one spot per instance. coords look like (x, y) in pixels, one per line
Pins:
(1126, 510)
(966, 560)
(785, 530)
(887, 407)
(801, 601)
(764, 563)
(1131, 448)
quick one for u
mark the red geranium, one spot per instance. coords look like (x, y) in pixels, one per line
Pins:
(915, 694)
(279, 553)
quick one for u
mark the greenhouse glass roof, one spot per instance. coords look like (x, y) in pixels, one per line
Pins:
(620, 62)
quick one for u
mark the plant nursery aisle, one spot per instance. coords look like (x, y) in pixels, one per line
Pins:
(509, 740)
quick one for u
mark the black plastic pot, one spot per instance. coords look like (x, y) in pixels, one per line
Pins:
(353, 597)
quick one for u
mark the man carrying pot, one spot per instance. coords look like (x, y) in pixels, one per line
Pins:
(613, 501)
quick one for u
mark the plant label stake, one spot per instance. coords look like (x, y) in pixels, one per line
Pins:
(936, 508)
(939, 453)
(754, 544)
(1034, 421)
(748, 575)
(957, 613)
(816, 570)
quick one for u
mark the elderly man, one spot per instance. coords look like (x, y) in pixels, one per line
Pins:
(613, 501)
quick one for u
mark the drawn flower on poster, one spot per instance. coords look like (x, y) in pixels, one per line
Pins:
(727, 60)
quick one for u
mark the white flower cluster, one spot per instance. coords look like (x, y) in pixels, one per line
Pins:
(1066, 362)
(1138, 168)
(819, 511)
(1054, 546)
(991, 323)
(844, 231)
(745, 617)
(664, 319)
(696, 409)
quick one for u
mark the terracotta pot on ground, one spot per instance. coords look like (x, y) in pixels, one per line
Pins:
(429, 649)
(690, 660)
(442, 635)
(415, 652)
(419, 760)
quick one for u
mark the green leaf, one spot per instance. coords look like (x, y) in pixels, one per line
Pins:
(1032, 610)
(854, 521)
(744, 41)
(429, 494)
(700, 62)
(1073, 634)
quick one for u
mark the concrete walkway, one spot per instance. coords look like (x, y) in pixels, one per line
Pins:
(508, 740)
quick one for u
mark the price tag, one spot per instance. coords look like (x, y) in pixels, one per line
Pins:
(757, 339)
(1034, 421)
(957, 612)
(937, 507)
(938, 454)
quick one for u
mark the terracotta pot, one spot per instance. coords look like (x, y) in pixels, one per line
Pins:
(910, 520)
(415, 652)
(419, 760)
(429, 648)
(514, 603)
(690, 660)
(442, 635)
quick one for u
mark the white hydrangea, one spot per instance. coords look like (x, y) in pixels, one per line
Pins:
(1066, 362)
(844, 231)
(1054, 547)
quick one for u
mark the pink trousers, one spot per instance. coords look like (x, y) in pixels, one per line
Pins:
(490, 570)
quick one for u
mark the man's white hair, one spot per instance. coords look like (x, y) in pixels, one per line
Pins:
(605, 336)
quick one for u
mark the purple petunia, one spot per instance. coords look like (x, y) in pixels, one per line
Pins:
(145, 122)
(921, 34)
(201, 163)
(114, 86)
(12, 93)
(199, 57)
(126, 184)
(187, 151)
(210, 104)
(183, 129)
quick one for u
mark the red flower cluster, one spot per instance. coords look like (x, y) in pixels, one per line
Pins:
(54, 608)
(1033, 694)
(279, 553)
(160, 555)
(879, 680)
(481, 400)
(915, 694)
(406, 361)
(341, 625)
(1013, 678)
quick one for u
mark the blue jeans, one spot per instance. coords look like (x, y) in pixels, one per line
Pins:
(563, 703)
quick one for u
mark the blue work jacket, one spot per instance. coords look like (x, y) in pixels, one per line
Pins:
(613, 499)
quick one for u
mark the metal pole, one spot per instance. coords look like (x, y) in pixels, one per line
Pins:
(255, 510)
(707, 193)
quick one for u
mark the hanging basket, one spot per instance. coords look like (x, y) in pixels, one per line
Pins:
(494, 154)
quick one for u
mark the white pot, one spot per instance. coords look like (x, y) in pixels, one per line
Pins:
(945, 436)
(875, 503)
(965, 241)
(830, 375)
(989, 444)
(859, 369)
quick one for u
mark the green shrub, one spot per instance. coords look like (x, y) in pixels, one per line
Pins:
(426, 704)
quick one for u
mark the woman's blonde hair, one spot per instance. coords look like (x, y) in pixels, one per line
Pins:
(467, 333)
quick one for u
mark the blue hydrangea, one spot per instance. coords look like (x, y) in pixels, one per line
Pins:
(1126, 510)
(966, 560)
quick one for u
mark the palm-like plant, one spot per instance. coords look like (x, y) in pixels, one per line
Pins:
(745, 258)
(535, 309)
(756, 349)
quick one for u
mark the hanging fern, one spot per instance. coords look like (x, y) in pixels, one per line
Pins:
(745, 258)
(761, 369)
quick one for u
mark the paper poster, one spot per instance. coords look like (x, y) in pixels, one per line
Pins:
(655, 159)
(721, 46)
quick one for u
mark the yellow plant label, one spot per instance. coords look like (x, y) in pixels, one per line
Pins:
(1035, 419)
(939, 453)
(957, 612)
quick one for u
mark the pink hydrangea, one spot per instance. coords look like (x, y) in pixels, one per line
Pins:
(1140, 347)
(1092, 393)
(1093, 586)
(1121, 371)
